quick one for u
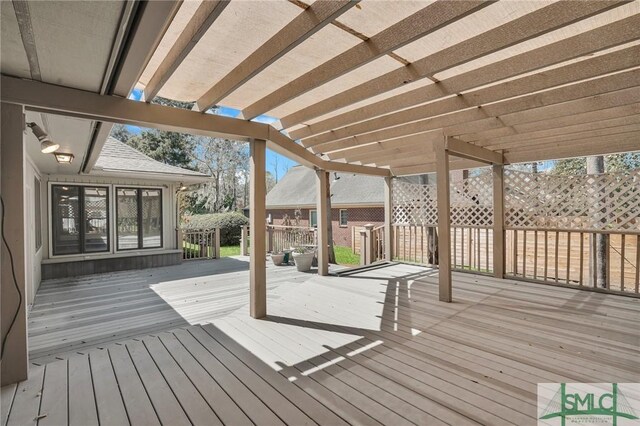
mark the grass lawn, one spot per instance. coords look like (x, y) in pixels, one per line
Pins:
(344, 255)
(226, 251)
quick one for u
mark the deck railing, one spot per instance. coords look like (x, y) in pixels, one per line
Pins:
(570, 258)
(281, 238)
(471, 246)
(200, 244)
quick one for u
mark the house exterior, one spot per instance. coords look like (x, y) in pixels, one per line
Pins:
(122, 215)
(356, 200)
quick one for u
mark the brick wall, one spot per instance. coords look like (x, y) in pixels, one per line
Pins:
(357, 217)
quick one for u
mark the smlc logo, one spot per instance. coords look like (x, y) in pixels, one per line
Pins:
(588, 403)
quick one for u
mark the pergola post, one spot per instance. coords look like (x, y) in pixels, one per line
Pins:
(388, 218)
(322, 183)
(498, 221)
(15, 361)
(257, 220)
(444, 220)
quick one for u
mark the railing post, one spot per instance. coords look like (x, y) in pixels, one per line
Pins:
(269, 239)
(388, 218)
(366, 244)
(243, 240)
(179, 239)
(216, 254)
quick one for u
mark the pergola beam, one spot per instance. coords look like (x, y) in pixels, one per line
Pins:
(472, 152)
(306, 24)
(604, 92)
(573, 73)
(60, 100)
(198, 25)
(399, 151)
(427, 20)
(534, 24)
(587, 43)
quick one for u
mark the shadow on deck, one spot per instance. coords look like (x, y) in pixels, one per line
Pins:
(375, 348)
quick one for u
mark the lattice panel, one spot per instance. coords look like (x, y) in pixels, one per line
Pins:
(471, 202)
(582, 202)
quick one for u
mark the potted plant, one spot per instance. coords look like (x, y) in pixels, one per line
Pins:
(303, 257)
(277, 258)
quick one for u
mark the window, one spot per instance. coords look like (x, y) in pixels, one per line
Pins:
(80, 219)
(313, 218)
(139, 218)
(344, 216)
(37, 214)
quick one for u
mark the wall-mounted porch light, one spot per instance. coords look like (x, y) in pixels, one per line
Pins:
(63, 157)
(46, 145)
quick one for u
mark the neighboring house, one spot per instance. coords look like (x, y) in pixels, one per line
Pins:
(356, 200)
(122, 215)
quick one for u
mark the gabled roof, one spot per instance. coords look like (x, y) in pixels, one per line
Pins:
(119, 158)
(298, 189)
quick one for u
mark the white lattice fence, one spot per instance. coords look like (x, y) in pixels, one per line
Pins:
(471, 202)
(607, 202)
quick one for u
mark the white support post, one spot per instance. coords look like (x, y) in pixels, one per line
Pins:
(13, 285)
(498, 221)
(388, 219)
(217, 243)
(323, 224)
(257, 219)
(444, 220)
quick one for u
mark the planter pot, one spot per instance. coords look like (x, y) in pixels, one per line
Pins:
(277, 259)
(303, 261)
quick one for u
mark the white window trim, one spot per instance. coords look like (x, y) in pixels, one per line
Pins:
(311, 225)
(346, 224)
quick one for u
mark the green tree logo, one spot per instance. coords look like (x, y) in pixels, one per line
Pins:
(613, 405)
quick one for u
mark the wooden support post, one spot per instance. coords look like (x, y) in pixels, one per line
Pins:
(388, 219)
(13, 285)
(323, 224)
(257, 220)
(217, 243)
(244, 240)
(444, 220)
(498, 221)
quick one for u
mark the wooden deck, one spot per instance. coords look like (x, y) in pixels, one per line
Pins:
(372, 348)
(78, 313)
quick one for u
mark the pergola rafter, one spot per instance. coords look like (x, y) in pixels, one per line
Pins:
(519, 30)
(419, 24)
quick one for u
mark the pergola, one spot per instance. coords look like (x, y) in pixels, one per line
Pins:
(380, 88)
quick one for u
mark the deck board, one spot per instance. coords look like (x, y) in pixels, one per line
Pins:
(375, 347)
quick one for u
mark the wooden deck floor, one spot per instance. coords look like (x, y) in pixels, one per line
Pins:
(373, 348)
(83, 312)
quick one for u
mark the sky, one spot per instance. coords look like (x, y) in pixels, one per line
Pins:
(273, 158)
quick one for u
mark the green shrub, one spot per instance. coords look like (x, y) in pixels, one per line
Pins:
(230, 225)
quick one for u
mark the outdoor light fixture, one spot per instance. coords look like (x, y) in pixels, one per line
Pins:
(46, 145)
(63, 157)
(182, 187)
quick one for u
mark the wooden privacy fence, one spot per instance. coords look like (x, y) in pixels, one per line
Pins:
(200, 244)
(568, 257)
(281, 238)
(551, 226)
